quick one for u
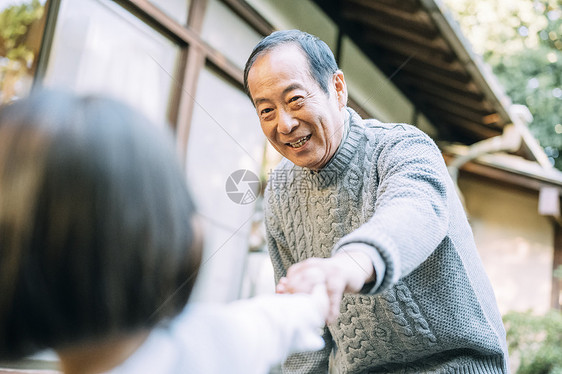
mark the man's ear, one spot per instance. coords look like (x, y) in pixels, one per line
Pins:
(341, 88)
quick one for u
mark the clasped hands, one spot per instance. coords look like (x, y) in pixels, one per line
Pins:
(346, 271)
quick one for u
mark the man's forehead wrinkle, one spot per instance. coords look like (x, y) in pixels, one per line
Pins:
(279, 71)
(292, 86)
(263, 83)
(270, 82)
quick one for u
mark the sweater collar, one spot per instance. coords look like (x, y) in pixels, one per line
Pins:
(348, 146)
(337, 165)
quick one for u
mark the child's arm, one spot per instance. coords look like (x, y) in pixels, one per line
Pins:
(251, 336)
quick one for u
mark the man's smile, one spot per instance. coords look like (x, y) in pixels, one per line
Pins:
(299, 143)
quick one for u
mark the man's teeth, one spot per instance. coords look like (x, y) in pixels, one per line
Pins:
(300, 142)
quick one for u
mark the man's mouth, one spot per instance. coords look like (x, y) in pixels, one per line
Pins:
(299, 143)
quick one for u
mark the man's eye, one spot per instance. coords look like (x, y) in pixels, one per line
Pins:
(266, 110)
(294, 98)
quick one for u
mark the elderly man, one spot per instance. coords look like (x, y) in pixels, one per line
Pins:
(372, 206)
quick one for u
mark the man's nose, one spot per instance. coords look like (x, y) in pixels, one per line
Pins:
(286, 122)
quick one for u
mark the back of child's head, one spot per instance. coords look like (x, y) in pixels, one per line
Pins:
(96, 230)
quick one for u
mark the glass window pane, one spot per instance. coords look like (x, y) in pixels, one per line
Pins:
(21, 29)
(225, 136)
(229, 34)
(177, 9)
(99, 47)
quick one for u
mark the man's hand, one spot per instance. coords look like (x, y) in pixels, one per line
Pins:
(345, 272)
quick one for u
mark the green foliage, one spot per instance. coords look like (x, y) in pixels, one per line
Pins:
(17, 31)
(530, 79)
(536, 340)
(522, 41)
(558, 272)
(15, 22)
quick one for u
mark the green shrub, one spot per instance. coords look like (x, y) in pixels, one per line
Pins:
(536, 341)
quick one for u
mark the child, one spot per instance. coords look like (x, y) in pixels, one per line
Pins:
(99, 251)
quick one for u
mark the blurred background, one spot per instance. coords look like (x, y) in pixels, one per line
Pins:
(482, 77)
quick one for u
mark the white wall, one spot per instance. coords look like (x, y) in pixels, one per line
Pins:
(515, 243)
(298, 14)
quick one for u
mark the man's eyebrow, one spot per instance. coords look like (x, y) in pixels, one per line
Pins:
(259, 100)
(289, 88)
(294, 86)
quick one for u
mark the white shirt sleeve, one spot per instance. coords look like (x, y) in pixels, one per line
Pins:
(245, 336)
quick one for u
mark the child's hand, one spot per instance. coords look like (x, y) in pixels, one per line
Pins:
(344, 272)
(311, 281)
(320, 296)
(282, 286)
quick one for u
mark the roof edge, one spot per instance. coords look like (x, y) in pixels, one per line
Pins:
(483, 76)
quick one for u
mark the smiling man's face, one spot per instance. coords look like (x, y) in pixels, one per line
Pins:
(300, 120)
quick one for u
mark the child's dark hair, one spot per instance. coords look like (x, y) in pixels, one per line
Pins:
(96, 223)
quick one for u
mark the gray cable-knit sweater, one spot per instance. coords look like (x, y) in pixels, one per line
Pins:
(387, 192)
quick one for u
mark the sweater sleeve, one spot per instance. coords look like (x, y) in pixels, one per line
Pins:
(410, 216)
